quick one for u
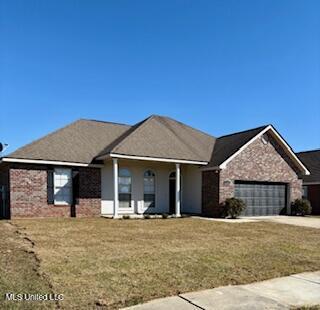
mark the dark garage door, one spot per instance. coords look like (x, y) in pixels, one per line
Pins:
(261, 198)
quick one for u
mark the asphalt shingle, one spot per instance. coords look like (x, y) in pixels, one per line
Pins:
(311, 159)
(86, 141)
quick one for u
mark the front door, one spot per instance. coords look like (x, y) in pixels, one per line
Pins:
(172, 195)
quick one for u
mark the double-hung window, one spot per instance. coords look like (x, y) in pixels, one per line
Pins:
(149, 189)
(124, 188)
(62, 182)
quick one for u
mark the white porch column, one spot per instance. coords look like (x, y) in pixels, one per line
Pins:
(115, 187)
(178, 190)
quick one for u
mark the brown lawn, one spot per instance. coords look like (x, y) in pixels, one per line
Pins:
(20, 270)
(123, 262)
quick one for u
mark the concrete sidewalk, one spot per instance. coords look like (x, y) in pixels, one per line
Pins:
(280, 293)
(304, 221)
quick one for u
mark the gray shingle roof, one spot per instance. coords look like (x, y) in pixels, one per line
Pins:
(85, 141)
(311, 159)
(226, 146)
(78, 142)
(163, 137)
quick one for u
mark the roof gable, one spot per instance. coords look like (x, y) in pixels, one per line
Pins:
(230, 146)
(163, 137)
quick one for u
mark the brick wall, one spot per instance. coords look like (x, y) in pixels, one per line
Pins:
(258, 162)
(28, 193)
(89, 202)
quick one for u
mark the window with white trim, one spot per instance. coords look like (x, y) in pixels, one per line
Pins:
(149, 196)
(62, 181)
(124, 184)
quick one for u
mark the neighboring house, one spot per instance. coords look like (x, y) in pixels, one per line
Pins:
(311, 183)
(92, 168)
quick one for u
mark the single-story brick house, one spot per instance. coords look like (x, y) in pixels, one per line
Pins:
(93, 168)
(311, 183)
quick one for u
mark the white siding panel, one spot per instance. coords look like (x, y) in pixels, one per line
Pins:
(107, 189)
(191, 189)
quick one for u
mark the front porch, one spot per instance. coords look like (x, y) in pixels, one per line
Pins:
(139, 187)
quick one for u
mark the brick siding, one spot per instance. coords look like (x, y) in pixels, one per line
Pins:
(258, 162)
(89, 192)
(28, 193)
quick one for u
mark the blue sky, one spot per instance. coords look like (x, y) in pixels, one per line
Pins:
(220, 66)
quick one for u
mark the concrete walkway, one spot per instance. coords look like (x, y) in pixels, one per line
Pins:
(305, 221)
(280, 293)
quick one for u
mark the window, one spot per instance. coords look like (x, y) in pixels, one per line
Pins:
(62, 186)
(305, 192)
(149, 189)
(124, 188)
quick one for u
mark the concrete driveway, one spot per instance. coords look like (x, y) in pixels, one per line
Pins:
(280, 293)
(305, 221)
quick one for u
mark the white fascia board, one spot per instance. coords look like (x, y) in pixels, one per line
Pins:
(291, 153)
(166, 160)
(48, 162)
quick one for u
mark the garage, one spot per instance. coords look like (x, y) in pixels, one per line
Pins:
(262, 198)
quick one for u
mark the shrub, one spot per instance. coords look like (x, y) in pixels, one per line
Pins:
(301, 207)
(126, 217)
(165, 215)
(233, 207)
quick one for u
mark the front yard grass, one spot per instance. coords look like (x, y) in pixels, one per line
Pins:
(116, 263)
(19, 270)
